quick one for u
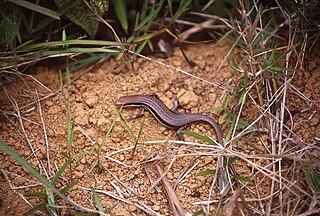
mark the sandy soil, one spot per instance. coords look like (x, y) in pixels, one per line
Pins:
(43, 122)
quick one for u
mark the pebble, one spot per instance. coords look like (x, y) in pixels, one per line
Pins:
(49, 103)
(116, 139)
(83, 160)
(170, 176)
(226, 74)
(80, 117)
(132, 208)
(121, 158)
(52, 110)
(91, 101)
(91, 132)
(102, 120)
(189, 100)
(156, 207)
(212, 97)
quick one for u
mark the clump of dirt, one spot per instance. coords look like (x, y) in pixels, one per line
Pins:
(40, 133)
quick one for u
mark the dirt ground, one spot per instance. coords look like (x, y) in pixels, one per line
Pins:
(34, 123)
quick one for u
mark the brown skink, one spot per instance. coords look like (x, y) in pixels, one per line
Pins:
(165, 116)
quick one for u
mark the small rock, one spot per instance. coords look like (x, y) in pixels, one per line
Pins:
(170, 176)
(101, 121)
(116, 139)
(208, 68)
(212, 97)
(93, 120)
(176, 63)
(189, 100)
(132, 208)
(91, 101)
(156, 207)
(49, 103)
(83, 160)
(91, 133)
(52, 110)
(226, 74)
(181, 92)
(80, 117)
(121, 158)
(167, 101)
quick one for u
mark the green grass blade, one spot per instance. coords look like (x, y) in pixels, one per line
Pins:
(74, 66)
(97, 201)
(35, 208)
(70, 128)
(242, 178)
(68, 187)
(138, 137)
(199, 212)
(60, 171)
(144, 37)
(121, 11)
(34, 172)
(232, 125)
(57, 206)
(94, 164)
(73, 42)
(47, 20)
(108, 133)
(150, 45)
(206, 172)
(35, 194)
(200, 137)
(142, 45)
(37, 8)
(184, 4)
(59, 53)
(126, 126)
(143, 10)
(154, 12)
(213, 109)
(231, 160)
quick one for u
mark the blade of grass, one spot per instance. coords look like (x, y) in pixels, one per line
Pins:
(36, 8)
(184, 4)
(108, 133)
(34, 172)
(121, 12)
(72, 42)
(137, 139)
(88, 61)
(60, 53)
(47, 20)
(242, 178)
(206, 172)
(126, 126)
(68, 187)
(97, 201)
(32, 210)
(70, 127)
(154, 12)
(35, 194)
(200, 137)
(60, 171)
